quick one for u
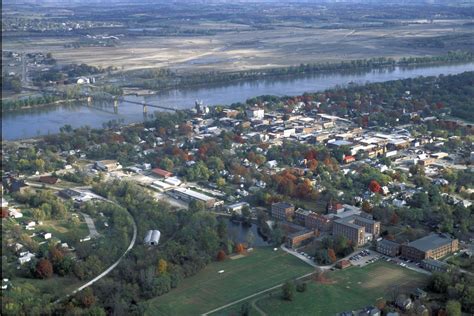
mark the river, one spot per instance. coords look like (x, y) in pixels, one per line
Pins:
(45, 120)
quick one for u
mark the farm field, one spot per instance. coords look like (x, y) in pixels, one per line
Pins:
(231, 51)
(345, 290)
(257, 271)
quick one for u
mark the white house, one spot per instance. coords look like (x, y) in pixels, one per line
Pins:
(15, 213)
(255, 113)
(26, 258)
(272, 163)
(82, 80)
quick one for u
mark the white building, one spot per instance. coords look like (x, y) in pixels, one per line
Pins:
(272, 163)
(26, 258)
(152, 237)
(15, 213)
(255, 113)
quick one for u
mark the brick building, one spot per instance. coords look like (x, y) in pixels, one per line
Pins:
(433, 246)
(359, 230)
(295, 239)
(282, 211)
(318, 221)
(388, 247)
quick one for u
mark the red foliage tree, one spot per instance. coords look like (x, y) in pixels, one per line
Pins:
(44, 268)
(374, 186)
(332, 255)
(394, 219)
(221, 255)
(4, 212)
(312, 164)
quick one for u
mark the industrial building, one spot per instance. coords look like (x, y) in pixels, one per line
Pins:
(189, 195)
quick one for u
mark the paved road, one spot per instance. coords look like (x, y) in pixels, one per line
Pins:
(90, 224)
(107, 271)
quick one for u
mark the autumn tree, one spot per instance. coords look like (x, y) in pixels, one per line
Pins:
(332, 255)
(374, 186)
(44, 268)
(366, 207)
(221, 255)
(394, 219)
(162, 267)
(239, 248)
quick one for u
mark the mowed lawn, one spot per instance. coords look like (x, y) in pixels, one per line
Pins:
(259, 270)
(346, 290)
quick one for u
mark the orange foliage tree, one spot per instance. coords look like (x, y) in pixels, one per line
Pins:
(332, 255)
(221, 255)
(239, 248)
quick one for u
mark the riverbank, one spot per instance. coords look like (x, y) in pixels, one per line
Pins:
(47, 120)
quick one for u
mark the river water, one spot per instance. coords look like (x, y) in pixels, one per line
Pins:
(45, 120)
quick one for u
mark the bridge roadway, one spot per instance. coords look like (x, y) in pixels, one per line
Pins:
(148, 104)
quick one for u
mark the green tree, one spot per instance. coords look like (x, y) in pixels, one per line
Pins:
(288, 290)
(167, 164)
(453, 308)
(245, 309)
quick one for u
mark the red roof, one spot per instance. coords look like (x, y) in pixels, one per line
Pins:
(161, 172)
(349, 158)
(48, 179)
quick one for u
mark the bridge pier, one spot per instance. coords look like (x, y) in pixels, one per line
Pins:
(145, 108)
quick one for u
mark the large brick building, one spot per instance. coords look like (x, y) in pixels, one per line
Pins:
(318, 221)
(359, 230)
(295, 239)
(282, 211)
(388, 247)
(433, 246)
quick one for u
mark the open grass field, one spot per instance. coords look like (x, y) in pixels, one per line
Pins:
(64, 230)
(259, 270)
(349, 289)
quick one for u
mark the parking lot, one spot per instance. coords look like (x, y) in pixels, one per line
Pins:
(364, 257)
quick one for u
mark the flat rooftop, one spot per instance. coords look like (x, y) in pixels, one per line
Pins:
(432, 241)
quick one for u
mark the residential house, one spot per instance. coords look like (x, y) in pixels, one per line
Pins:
(255, 113)
(48, 179)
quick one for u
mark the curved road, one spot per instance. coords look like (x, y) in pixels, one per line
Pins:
(107, 271)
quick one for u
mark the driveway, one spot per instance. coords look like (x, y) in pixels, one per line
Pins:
(90, 224)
